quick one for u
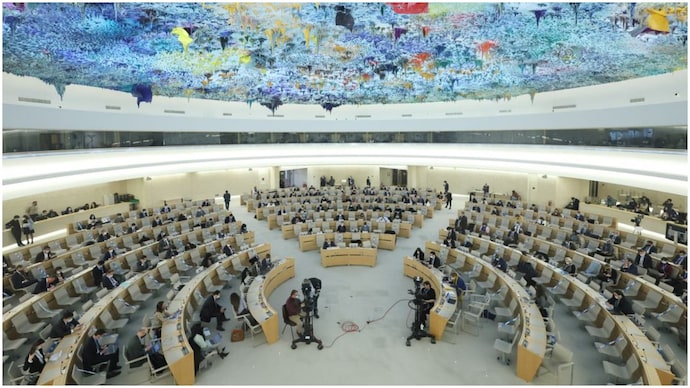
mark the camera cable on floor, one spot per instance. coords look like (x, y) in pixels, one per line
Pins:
(351, 327)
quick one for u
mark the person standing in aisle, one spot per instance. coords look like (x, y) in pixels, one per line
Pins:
(226, 198)
(449, 200)
(445, 187)
(16, 227)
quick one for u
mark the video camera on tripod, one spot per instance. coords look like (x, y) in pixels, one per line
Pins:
(417, 292)
(638, 219)
(417, 304)
(309, 299)
(309, 307)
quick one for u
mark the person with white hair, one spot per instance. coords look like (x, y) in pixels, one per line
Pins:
(568, 266)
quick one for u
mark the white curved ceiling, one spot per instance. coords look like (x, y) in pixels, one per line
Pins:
(661, 100)
(655, 170)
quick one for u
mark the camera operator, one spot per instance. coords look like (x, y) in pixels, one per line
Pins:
(294, 310)
(428, 297)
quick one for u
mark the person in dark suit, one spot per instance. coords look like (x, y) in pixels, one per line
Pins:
(16, 228)
(143, 264)
(629, 267)
(681, 259)
(568, 266)
(65, 326)
(428, 297)
(226, 199)
(619, 304)
(228, 250)
(211, 309)
(132, 228)
(103, 236)
(109, 281)
(136, 348)
(449, 242)
(94, 353)
(44, 284)
(434, 261)
(97, 272)
(461, 223)
(109, 254)
(341, 228)
(44, 255)
(649, 247)
(643, 259)
(21, 279)
(35, 362)
(207, 261)
(500, 263)
(662, 272)
(328, 243)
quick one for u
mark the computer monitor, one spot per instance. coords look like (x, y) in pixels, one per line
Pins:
(677, 233)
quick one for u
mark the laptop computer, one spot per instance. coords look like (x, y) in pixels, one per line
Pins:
(156, 346)
(216, 339)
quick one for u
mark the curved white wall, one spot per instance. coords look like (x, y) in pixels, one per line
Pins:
(653, 170)
(651, 101)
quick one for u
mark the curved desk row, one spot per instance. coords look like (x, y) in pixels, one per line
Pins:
(443, 308)
(312, 242)
(95, 251)
(348, 256)
(531, 346)
(64, 221)
(582, 262)
(62, 366)
(653, 369)
(261, 289)
(275, 221)
(174, 342)
(58, 368)
(75, 239)
(402, 229)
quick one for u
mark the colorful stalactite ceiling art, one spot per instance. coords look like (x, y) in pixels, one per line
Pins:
(333, 54)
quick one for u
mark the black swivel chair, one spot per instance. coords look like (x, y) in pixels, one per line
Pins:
(288, 322)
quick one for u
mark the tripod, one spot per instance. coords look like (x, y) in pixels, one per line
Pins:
(307, 332)
(417, 331)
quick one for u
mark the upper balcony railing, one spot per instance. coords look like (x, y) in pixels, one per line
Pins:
(15, 141)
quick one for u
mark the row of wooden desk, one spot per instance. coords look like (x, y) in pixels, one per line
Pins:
(94, 252)
(65, 221)
(443, 308)
(531, 346)
(348, 256)
(58, 368)
(654, 370)
(401, 229)
(416, 218)
(175, 344)
(311, 242)
(59, 375)
(582, 261)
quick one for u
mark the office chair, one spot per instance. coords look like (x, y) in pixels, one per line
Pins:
(288, 322)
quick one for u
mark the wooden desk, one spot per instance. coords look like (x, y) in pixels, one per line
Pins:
(532, 342)
(59, 372)
(261, 289)
(65, 221)
(442, 309)
(174, 342)
(310, 242)
(348, 256)
(654, 369)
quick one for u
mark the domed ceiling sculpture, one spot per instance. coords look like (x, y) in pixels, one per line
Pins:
(331, 54)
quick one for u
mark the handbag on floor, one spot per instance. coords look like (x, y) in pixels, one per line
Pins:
(237, 335)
